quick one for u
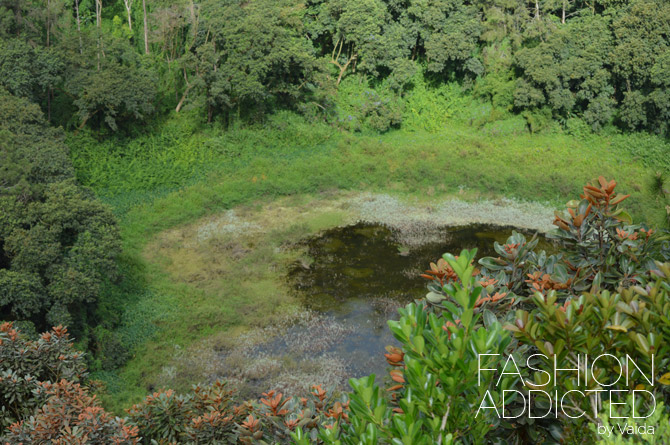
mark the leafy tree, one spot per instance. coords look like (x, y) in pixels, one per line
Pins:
(640, 62)
(569, 72)
(449, 31)
(116, 88)
(26, 71)
(57, 252)
(57, 242)
(358, 35)
(252, 56)
(503, 19)
(32, 154)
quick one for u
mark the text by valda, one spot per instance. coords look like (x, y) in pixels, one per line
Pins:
(584, 384)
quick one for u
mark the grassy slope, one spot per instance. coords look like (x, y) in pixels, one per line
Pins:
(174, 178)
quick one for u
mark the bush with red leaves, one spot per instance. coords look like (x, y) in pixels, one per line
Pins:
(70, 416)
(24, 364)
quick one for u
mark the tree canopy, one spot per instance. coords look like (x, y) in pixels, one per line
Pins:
(99, 64)
(58, 243)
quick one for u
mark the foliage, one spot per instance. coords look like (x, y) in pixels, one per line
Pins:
(253, 56)
(640, 61)
(26, 365)
(438, 389)
(602, 61)
(659, 420)
(631, 323)
(70, 416)
(204, 416)
(360, 107)
(28, 72)
(449, 32)
(599, 248)
(115, 88)
(568, 72)
(57, 242)
(432, 109)
(601, 293)
(208, 415)
(58, 251)
(32, 153)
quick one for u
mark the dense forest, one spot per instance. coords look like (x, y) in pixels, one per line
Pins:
(107, 64)
(162, 164)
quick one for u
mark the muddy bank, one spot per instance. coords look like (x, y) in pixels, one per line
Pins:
(422, 223)
(314, 280)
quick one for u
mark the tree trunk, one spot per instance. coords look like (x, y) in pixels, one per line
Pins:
(81, 44)
(183, 98)
(98, 22)
(146, 28)
(48, 12)
(48, 23)
(194, 20)
(129, 4)
(334, 59)
(563, 15)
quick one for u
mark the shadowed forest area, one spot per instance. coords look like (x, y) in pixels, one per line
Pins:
(212, 212)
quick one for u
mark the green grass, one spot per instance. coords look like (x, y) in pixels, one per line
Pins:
(173, 177)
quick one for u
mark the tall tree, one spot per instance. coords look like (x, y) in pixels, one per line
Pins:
(449, 32)
(146, 27)
(250, 56)
(359, 35)
(118, 88)
(640, 64)
(57, 242)
(569, 71)
(98, 26)
(129, 6)
(78, 18)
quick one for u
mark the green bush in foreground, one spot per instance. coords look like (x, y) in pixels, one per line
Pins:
(439, 385)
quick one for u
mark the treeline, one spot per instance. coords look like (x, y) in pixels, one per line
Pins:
(109, 63)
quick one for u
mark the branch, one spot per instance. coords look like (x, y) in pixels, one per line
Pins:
(84, 121)
(444, 422)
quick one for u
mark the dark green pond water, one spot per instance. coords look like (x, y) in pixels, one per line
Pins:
(361, 274)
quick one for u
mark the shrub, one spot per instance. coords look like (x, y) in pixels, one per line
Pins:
(360, 107)
(26, 365)
(598, 248)
(70, 416)
(436, 391)
(633, 323)
(209, 415)
(659, 420)
(601, 293)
